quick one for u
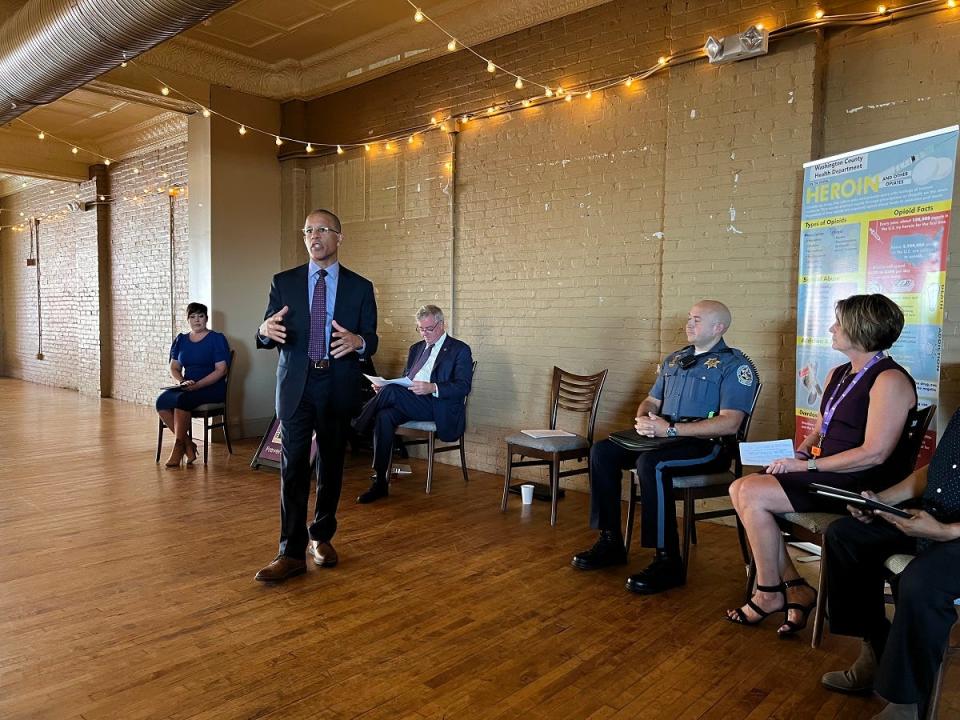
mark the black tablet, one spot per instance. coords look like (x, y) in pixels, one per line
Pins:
(853, 498)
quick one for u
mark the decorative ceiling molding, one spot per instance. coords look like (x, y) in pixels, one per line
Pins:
(472, 21)
(140, 97)
(158, 132)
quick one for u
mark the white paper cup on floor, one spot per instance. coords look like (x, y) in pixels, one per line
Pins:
(526, 493)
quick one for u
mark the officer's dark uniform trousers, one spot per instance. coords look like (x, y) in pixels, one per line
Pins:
(656, 469)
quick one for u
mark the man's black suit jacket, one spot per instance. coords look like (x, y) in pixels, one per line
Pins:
(355, 309)
(453, 375)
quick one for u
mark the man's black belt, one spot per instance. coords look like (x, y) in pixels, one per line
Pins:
(320, 364)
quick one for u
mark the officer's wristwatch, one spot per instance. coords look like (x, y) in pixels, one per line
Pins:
(672, 431)
(811, 464)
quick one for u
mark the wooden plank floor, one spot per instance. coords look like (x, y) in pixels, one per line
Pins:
(126, 591)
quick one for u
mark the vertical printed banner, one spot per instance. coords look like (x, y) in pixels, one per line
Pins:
(875, 220)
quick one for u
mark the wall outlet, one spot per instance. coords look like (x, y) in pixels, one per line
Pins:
(31, 262)
(39, 356)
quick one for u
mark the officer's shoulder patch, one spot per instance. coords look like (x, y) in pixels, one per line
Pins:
(745, 375)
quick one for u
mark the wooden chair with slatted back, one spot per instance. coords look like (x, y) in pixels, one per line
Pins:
(572, 393)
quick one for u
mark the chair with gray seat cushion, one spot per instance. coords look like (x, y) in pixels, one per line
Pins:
(810, 527)
(424, 432)
(699, 487)
(572, 393)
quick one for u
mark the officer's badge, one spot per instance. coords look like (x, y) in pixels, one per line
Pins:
(712, 363)
(745, 375)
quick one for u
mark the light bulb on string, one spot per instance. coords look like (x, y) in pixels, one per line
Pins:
(818, 14)
(491, 67)
(569, 98)
(106, 161)
(410, 140)
(560, 91)
(433, 120)
(663, 61)
(881, 9)
(123, 64)
(548, 92)
(339, 150)
(452, 45)
(628, 82)
(41, 135)
(519, 83)
(278, 141)
(74, 150)
(366, 147)
(206, 113)
(309, 148)
(951, 3)
(418, 15)
(242, 130)
(164, 90)
(588, 94)
(526, 103)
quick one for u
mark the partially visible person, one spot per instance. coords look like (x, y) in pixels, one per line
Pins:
(852, 446)
(441, 369)
(899, 661)
(198, 364)
(321, 317)
(702, 393)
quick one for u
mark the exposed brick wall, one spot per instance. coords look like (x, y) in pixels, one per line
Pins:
(889, 83)
(587, 230)
(143, 321)
(139, 299)
(65, 235)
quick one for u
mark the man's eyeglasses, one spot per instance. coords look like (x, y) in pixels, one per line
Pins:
(319, 230)
(429, 329)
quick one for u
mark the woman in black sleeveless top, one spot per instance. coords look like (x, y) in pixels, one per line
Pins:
(853, 445)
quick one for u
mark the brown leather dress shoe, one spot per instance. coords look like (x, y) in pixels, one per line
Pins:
(323, 554)
(281, 568)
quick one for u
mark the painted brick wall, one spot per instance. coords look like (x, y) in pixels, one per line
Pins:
(139, 300)
(586, 230)
(65, 236)
(893, 82)
(143, 320)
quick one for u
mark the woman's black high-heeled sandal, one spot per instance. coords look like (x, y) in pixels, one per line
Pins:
(794, 627)
(741, 617)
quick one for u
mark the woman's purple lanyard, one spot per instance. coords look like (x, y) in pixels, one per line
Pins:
(831, 407)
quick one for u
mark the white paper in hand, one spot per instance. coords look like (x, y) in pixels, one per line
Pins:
(764, 453)
(380, 382)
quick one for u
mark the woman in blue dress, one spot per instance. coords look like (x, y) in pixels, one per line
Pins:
(198, 363)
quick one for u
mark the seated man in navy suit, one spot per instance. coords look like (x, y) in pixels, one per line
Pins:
(441, 368)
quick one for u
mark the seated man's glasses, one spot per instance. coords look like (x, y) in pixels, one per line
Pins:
(428, 328)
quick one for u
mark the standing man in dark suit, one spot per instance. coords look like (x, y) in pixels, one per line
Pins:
(441, 368)
(321, 316)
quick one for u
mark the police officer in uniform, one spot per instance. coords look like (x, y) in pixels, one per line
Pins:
(702, 392)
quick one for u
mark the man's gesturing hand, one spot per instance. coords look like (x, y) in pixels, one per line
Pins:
(343, 342)
(273, 329)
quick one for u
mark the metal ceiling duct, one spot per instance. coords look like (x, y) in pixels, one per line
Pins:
(50, 47)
